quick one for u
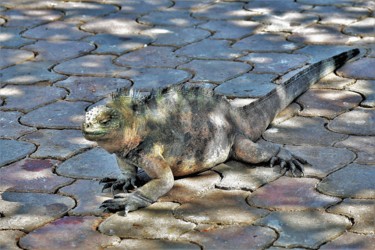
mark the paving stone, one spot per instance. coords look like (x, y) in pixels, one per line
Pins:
(27, 4)
(322, 34)
(290, 111)
(154, 222)
(31, 175)
(321, 52)
(95, 163)
(61, 114)
(209, 49)
(28, 211)
(84, 11)
(307, 229)
(351, 241)
(323, 160)
(327, 103)
(359, 121)
(332, 81)
(367, 89)
(223, 10)
(239, 237)
(301, 130)
(364, 27)
(328, 2)
(274, 62)
(115, 24)
(287, 193)
(364, 146)
(57, 51)
(144, 6)
(192, 5)
(14, 56)
(10, 37)
(28, 97)
(277, 7)
(215, 70)
(57, 30)
(361, 211)
(223, 207)
(169, 17)
(189, 188)
(115, 44)
(175, 36)
(89, 197)
(152, 56)
(69, 233)
(339, 15)
(29, 72)
(230, 29)
(10, 127)
(28, 18)
(10, 238)
(360, 178)
(361, 69)
(91, 88)
(57, 144)
(12, 150)
(247, 85)
(263, 42)
(237, 175)
(134, 244)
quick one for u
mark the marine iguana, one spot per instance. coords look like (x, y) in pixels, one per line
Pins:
(181, 131)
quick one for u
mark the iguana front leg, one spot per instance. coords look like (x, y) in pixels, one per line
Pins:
(162, 181)
(248, 151)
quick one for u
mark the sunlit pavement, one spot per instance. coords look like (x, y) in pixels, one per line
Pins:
(58, 58)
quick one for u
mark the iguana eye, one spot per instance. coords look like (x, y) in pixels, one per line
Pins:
(105, 121)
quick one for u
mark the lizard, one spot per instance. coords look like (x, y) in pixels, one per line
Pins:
(180, 131)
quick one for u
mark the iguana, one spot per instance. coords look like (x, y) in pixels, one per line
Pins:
(181, 131)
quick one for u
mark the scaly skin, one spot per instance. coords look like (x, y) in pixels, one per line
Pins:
(183, 131)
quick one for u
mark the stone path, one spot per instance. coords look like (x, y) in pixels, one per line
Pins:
(58, 58)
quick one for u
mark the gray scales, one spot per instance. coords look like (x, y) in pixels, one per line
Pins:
(181, 131)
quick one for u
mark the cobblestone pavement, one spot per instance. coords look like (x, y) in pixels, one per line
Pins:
(58, 58)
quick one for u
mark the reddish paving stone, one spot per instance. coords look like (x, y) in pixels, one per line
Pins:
(221, 207)
(29, 73)
(10, 127)
(89, 197)
(12, 150)
(152, 56)
(134, 244)
(365, 27)
(26, 98)
(276, 63)
(223, 10)
(238, 237)
(323, 160)
(364, 146)
(154, 222)
(351, 241)
(10, 238)
(361, 69)
(263, 42)
(57, 144)
(215, 70)
(332, 81)
(276, 7)
(59, 50)
(61, 114)
(31, 175)
(169, 17)
(230, 29)
(307, 229)
(367, 89)
(91, 88)
(28, 211)
(328, 103)
(28, 18)
(301, 131)
(95, 163)
(13, 56)
(344, 15)
(10, 37)
(288, 194)
(353, 181)
(362, 211)
(359, 121)
(69, 233)
(237, 175)
(57, 30)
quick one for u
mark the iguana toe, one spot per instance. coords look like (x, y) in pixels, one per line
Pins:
(126, 202)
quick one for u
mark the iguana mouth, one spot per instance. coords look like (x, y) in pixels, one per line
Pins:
(93, 135)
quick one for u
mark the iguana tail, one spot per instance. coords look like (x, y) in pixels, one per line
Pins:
(261, 112)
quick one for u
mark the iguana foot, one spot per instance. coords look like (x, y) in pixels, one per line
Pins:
(288, 161)
(126, 202)
(118, 184)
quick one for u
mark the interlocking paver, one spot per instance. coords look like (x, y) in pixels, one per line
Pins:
(264, 42)
(13, 56)
(361, 69)
(367, 89)
(351, 241)
(84, 11)
(192, 5)
(69, 233)
(328, 2)
(276, 7)
(57, 30)
(12, 150)
(339, 15)
(364, 27)
(321, 52)
(169, 17)
(27, 4)
(332, 81)
(134, 244)
(230, 29)
(223, 10)
(10, 127)
(10, 37)
(144, 6)
(364, 146)
(10, 238)
(30, 17)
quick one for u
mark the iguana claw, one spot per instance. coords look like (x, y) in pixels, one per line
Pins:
(120, 184)
(126, 202)
(289, 161)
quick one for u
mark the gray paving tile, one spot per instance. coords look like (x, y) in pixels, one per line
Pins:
(9, 239)
(276, 7)
(361, 69)
(230, 29)
(26, 18)
(169, 17)
(328, 2)
(13, 56)
(264, 42)
(12, 150)
(10, 127)
(192, 5)
(332, 81)
(351, 241)
(364, 146)
(367, 89)
(144, 6)
(344, 15)
(10, 37)
(321, 52)
(364, 27)
(223, 10)
(26, 4)
(84, 11)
